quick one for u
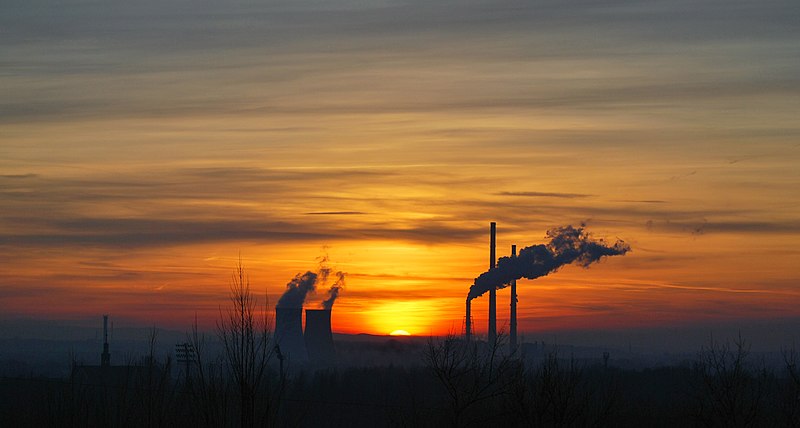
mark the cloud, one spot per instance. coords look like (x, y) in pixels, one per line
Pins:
(701, 288)
(156, 232)
(410, 277)
(18, 176)
(427, 232)
(703, 226)
(386, 58)
(642, 201)
(132, 232)
(336, 213)
(545, 194)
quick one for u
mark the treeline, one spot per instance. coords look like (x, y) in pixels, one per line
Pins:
(456, 384)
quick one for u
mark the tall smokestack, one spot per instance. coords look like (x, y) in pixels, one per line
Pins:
(105, 357)
(289, 333)
(318, 336)
(492, 331)
(468, 322)
(568, 245)
(513, 314)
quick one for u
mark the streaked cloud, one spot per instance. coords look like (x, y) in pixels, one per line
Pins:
(145, 144)
(544, 194)
(336, 213)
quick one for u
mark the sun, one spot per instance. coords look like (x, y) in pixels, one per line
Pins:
(399, 333)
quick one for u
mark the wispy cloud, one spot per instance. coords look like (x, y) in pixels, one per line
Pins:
(144, 128)
(17, 176)
(545, 194)
(336, 213)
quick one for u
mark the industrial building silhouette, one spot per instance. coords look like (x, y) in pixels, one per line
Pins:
(115, 376)
(315, 345)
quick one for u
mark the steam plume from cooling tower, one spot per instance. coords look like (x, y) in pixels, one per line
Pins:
(297, 289)
(333, 292)
(302, 284)
(567, 245)
(325, 272)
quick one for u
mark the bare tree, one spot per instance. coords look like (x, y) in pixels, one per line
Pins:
(558, 392)
(153, 386)
(731, 393)
(474, 376)
(790, 403)
(246, 334)
(205, 383)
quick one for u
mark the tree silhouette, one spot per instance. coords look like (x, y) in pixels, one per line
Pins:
(246, 334)
(474, 377)
(731, 391)
(790, 403)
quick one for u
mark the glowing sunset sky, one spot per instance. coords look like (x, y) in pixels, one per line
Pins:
(145, 144)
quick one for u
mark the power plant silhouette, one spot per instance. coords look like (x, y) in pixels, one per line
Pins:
(316, 345)
(568, 245)
(318, 336)
(492, 327)
(289, 334)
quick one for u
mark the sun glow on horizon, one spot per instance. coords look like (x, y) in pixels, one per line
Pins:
(399, 333)
(140, 200)
(412, 315)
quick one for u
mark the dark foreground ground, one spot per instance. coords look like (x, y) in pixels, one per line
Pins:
(441, 382)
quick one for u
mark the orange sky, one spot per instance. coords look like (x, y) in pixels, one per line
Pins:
(143, 148)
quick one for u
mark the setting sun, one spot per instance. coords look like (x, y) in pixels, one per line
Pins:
(415, 316)
(496, 186)
(135, 175)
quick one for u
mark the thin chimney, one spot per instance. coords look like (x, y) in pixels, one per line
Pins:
(105, 357)
(468, 321)
(492, 331)
(513, 315)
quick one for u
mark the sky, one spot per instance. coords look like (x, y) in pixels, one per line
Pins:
(146, 146)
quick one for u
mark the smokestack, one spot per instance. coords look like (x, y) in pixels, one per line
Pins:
(468, 321)
(289, 333)
(318, 336)
(568, 245)
(492, 331)
(513, 314)
(105, 357)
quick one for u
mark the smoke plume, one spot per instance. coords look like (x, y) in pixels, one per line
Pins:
(567, 245)
(297, 289)
(333, 293)
(325, 272)
(302, 284)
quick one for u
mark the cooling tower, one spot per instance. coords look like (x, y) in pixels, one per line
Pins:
(319, 339)
(289, 334)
